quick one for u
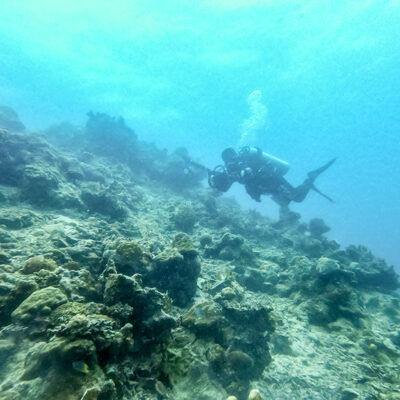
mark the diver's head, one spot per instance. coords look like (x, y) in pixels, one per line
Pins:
(229, 155)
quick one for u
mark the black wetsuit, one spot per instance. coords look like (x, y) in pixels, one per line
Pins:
(263, 174)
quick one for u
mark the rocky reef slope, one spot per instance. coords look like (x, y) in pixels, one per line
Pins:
(121, 277)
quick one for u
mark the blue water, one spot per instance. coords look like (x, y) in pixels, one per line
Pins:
(326, 76)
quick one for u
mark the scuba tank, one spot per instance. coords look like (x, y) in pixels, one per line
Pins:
(281, 167)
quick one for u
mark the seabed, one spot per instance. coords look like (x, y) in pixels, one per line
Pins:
(123, 277)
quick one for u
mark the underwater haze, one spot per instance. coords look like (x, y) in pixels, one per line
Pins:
(304, 81)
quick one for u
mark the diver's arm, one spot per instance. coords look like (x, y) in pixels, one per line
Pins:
(199, 166)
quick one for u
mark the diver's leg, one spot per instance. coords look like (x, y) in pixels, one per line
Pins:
(284, 193)
(300, 192)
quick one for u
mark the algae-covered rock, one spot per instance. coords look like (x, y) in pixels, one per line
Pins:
(103, 201)
(186, 364)
(241, 363)
(170, 256)
(178, 356)
(62, 314)
(60, 354)
(76, 284)
(176, 270)
(240, 328)
(74, 321)
(29, 164)
(185, 217)
(252, 315)
(85, 254)
(14, 289)
(4, 258)
(100, 329)
(128, 252)
(184, 245)
(257, 281)
(206, 320)
(39, 183)
(234, 369)
(309, 246)
(334, 302)
(14, 218)
(317, 227)
(36, 264)
(371, 272)
(129, 258)
(6, 348)
(64, 135)
(327, 266)
(39, 304)
(147, 305)
(229, 247)
(120, 289)
(206, 240)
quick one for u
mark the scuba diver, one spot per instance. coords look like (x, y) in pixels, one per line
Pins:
(262, 174)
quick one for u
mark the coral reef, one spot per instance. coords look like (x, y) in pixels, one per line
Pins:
(117, 283)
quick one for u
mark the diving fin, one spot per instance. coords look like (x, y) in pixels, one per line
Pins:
(322, 194)
(314, 174)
